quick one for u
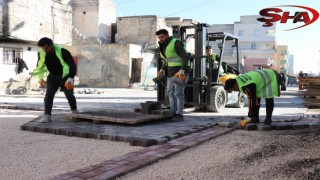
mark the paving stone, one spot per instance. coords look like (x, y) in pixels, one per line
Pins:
(262, 127)
(314, 125)
(283, 126)
(226, 124)
(300, 125)
(142, 142)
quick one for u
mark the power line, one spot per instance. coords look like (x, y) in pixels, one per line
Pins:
(192, 7)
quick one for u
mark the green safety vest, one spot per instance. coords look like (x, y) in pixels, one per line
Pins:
(41, 70)
(265, 80)
(214, 56)
(172, 57)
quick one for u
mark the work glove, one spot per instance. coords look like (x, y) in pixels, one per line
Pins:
(243, 122)
(161, 72)
(42, 83)
(181, 75)
(69, 84)
(181, 72)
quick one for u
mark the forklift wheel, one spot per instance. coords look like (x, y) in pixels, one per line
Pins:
(218, 99)
(240, 103)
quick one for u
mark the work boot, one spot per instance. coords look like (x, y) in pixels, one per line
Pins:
(45, 118)
(267, 121)
(255, 120)
(177, 117)
(75, 111)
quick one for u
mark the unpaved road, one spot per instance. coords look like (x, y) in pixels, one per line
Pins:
(243, 155)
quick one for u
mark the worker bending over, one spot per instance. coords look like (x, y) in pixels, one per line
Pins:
(256, 85)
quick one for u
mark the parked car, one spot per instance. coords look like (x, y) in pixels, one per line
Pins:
(292, 80)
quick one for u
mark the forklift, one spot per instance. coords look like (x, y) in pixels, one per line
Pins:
(205, 87)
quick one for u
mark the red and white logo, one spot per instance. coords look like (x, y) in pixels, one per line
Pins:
(274, 14)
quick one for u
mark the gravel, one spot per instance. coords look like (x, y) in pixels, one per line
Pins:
(243, 155)
(29, 155)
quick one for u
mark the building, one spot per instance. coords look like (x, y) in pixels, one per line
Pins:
(23, 24)
(257, 43)
(290, 64)
(282, 58)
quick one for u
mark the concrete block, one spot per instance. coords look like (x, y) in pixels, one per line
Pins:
(300, 125)
(314, 125)
(226, 124)
(165, 113)
(283, 126)
(262, 127)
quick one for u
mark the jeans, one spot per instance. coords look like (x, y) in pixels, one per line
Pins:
(176, 95)
(53, 84)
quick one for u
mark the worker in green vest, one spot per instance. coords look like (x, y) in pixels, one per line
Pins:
(256, 85)
(176, 64)
(215, 59)
(59, 63)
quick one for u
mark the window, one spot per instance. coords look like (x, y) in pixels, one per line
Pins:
(253, 46)
(240, 33)
(12, 55)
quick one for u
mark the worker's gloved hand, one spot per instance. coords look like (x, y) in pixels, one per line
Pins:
(161, 72)
(180, 77)
(42, 83)
(69, 84)
(245, 121)
(181, 72)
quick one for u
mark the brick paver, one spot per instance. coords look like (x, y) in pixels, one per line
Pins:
(122, 165)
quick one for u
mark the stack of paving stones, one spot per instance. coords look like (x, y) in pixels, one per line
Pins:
(312, 92)
(113, 168)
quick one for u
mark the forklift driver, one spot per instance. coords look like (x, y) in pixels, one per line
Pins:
(215, 59)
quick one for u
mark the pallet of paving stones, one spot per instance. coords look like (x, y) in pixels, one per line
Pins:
(116, 116)
(312, 93)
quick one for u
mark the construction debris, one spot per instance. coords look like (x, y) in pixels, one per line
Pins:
(90, 91)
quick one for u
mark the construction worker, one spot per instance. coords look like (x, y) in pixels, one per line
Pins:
(256, 85)
(59, 63)
(215, 59)
(176, 63)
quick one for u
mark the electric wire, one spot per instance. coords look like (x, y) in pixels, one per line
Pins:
(191, 7)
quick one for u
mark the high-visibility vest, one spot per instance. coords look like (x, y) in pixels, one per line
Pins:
(171, 56)
(214, 56)
(265, 80)
(41, 70)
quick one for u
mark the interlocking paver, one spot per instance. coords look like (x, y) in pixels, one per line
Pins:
(119, 166)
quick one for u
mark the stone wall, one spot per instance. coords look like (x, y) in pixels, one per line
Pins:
(31, 20)
(106, 65)
(92, 21)
(139, 30)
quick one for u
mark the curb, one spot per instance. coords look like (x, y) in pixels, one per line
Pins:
(122, 165)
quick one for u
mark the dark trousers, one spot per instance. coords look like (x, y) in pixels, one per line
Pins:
(53, 84)
(254, 103)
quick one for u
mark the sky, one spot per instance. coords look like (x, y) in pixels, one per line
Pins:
(303, 43)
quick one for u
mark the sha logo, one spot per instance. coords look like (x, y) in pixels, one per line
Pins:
(273, 14)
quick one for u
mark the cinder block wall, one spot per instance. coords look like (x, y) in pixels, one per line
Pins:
(31, 20)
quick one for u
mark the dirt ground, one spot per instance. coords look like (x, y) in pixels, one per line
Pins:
(244, 155)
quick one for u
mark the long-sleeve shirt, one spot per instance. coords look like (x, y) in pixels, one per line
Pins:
(179, 48)
(55, 67)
